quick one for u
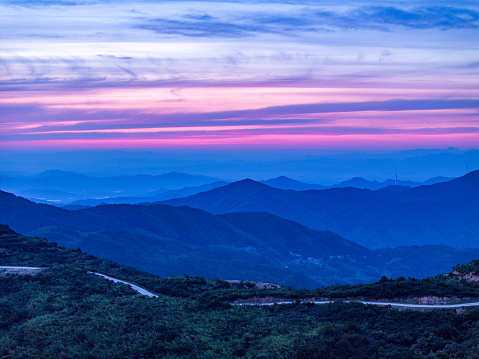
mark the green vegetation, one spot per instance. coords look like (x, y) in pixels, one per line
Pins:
(468, 268)
(65, 312)
(401, 288)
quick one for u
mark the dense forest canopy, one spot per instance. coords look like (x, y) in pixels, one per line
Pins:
(66, 312)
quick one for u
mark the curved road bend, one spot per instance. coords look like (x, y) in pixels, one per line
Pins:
(404, 305)
(133, 286)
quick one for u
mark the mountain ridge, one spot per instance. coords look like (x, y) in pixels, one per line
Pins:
(428, 214)
(167, 240)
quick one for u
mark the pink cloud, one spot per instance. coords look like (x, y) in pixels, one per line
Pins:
(240, 116)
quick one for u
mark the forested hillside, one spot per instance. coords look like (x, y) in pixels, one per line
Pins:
(65, 312)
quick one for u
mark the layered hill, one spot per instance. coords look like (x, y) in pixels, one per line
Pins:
(283, 182)
(65, 187)
(290, 237)
(444, 213)
(160, 195)
(169, 240)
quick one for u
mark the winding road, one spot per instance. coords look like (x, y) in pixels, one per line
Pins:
(403, 305)
(31, 270)
(140, 290)
(133, 286)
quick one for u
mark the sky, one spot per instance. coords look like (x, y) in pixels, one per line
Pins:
(239, 75)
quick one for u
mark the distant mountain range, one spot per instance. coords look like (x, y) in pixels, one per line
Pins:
(279, 182)
(159, 195)
(356, 182)
(65, 187)
(69, 188)
(260, 246)
(307, 166)
(444, 213)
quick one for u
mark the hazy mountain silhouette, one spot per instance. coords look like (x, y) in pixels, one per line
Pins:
(284, 182)
(54, 173)
(444, 213)
(64, 187)
(415, 165)
(438, 179)
(252, 246)
(79, 186)
(355, 182)
(156, 196)
(169, 240)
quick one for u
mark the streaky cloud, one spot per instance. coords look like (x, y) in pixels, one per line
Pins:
(390, 105)
(365, 17)
(306, 73)
(204, 28)
(443, 18)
